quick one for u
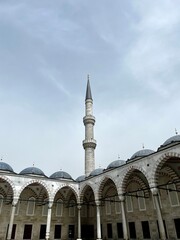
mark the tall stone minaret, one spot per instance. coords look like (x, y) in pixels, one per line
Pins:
(89, 143)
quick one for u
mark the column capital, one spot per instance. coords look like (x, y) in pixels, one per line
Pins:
(122, 198)
(154, 191)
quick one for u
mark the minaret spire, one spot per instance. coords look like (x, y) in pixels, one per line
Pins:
(89, 143)
(88, 89)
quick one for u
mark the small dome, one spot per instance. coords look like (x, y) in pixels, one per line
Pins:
(5, 167)
(175, 138)
(96, 172)
(80, 178)
(142, 153)
(116, 164)
(32, 170)
(61, 174)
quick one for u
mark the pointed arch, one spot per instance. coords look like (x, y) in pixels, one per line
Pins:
(68, 186)
(158, 165)
(35, 181)
(124, 179)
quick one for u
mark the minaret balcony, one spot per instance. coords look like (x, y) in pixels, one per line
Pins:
(89, 119)
(89, 143)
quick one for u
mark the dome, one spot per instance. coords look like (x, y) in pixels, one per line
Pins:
(96, 172)
(32, 170)
(175, 138)
(61, 174)
(116, 164)
(5, 167)
(80, 178)
(142, 153)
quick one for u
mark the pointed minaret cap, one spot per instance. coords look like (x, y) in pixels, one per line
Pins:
(88, 90)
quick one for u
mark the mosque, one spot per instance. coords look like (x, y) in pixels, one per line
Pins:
(134, 199)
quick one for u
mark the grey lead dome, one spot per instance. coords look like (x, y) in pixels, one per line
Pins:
(175, 138)
(32, 170)
(116, 163)
(142, 153)
(80, 178)
(96, 172)
(5, 167)
(61, 174)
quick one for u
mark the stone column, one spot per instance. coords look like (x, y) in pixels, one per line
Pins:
(98, 220)
(124, 220)
(48, 225)
(79, 222)
(159, 215)
(13, 209)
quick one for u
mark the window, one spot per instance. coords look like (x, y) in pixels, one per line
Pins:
(17, 208)
(132, 230)
(1, 202)
(117, 205)
(141, 201)
(109, 230)
(146, 230)
(173, 196)
(31, 206)
(45, 208)
(120, 230)
(57, 232)
(129, 205)
(42, 234)
(59, 208)
(177, 226)
(108, 206)
(72, 208)
(27, 231)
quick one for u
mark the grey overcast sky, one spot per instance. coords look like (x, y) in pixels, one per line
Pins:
(131, 49)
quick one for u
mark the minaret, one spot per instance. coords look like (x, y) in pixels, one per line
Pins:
(89, 143)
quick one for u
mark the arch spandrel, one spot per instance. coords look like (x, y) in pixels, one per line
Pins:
(158, 165)
(38, 182)
(126, 174)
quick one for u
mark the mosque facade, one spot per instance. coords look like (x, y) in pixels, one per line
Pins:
(134, 199)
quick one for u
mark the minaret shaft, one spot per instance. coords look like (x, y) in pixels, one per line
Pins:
(89, 143)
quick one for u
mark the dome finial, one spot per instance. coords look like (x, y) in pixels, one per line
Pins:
(176, 132)
(118, 157)
(143, 145)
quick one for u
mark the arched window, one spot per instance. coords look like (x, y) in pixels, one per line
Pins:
(30, 206)
(173, 196)
(141, 201)
(1, 202)
(17, 208)
(59, 208)
(108, 206)
(72, 208)
(45, 208)
(129, 204)
(117, 205)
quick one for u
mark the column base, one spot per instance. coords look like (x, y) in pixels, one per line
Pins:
(78, 239)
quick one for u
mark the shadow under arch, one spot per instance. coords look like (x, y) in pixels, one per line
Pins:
(105, 181)
(33, 182)
(124, 179)
(159, 164)
(65, 186)
(84, 189)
